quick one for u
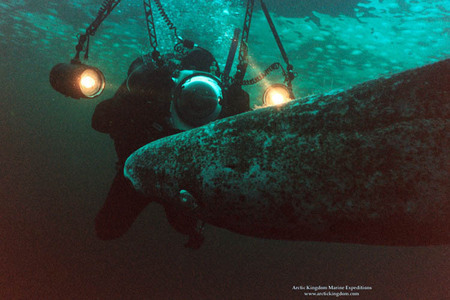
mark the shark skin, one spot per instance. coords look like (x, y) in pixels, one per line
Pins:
(369, 165)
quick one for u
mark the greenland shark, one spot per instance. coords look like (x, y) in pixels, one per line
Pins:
(368, 165)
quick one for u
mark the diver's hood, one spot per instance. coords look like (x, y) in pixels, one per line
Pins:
(195, 99)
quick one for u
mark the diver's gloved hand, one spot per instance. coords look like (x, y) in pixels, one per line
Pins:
(196, 238)
(187, 225)
(195, 241)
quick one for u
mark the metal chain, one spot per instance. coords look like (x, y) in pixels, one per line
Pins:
(263, 74)
(105, 9)
(243, 49)
(166, 19)
(150, 24)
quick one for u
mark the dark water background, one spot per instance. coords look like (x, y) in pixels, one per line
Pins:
(55, 170)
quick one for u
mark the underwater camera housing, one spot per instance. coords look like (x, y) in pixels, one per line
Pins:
(195, 95)
(196, 99)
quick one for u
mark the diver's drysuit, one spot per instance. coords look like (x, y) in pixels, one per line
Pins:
(139, 113)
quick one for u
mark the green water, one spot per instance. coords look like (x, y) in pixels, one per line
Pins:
(331, 44)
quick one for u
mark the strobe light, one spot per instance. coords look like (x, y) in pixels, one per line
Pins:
(77, 80)
(277, 94)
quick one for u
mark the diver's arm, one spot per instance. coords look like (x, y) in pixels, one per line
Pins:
(109, 113)
(236, 101)
(102, 117)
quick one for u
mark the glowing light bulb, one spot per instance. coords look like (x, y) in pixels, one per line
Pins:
(92, 83)
(277, 98)
(276, 94)
(87, 82)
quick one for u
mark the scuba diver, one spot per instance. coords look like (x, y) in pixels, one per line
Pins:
(162, 95)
